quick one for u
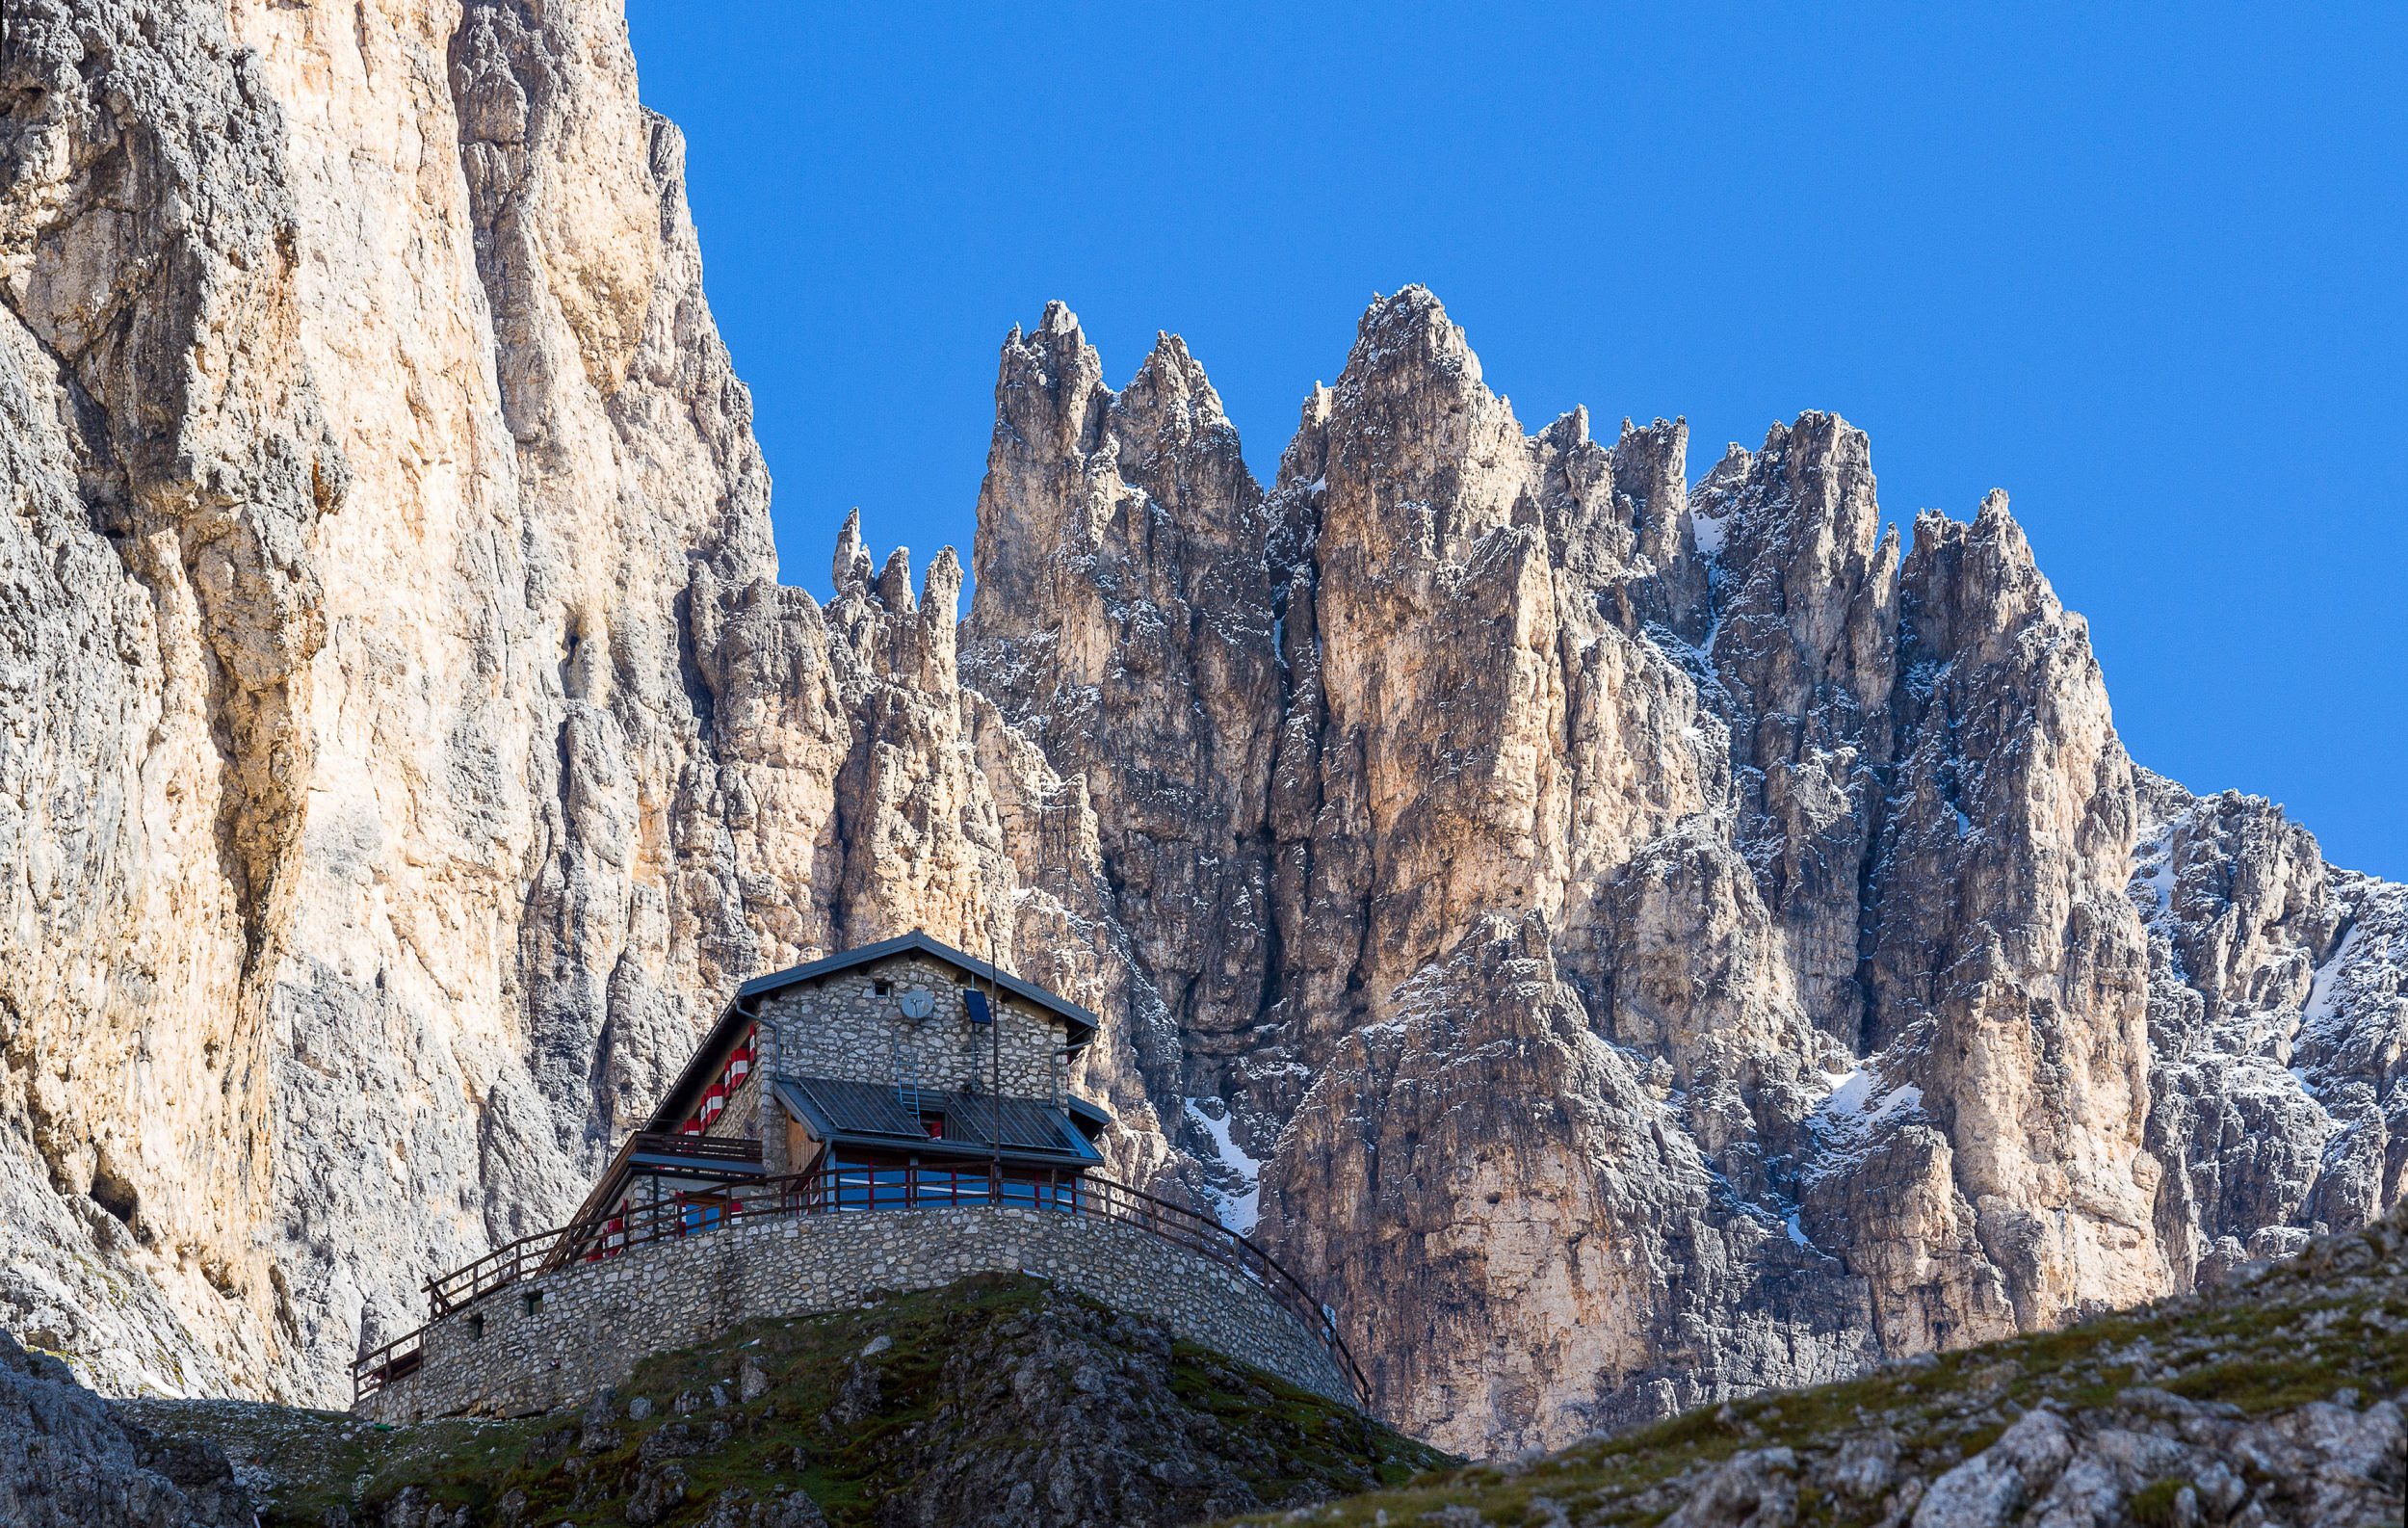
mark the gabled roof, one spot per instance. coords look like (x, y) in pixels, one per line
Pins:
(1081, 1022)
(696, 1075)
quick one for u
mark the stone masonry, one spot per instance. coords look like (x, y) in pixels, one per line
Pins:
(555, 1339)
(843, 1027)
(742, 1118)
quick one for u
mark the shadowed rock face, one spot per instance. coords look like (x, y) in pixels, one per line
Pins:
(1627, 940)
(69, 1460)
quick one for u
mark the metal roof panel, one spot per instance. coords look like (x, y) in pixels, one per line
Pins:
(869, 1114)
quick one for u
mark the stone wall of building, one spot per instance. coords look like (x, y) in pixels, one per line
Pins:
(844, 1027)
(555, 1339)
(743, 1115)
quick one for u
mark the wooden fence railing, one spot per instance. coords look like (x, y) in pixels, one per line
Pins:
(850, 1190)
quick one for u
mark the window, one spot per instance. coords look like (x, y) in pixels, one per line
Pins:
(476, 1326)
(881, 986)
(532, 1299)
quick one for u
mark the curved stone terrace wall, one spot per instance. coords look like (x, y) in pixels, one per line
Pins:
(556, 1337)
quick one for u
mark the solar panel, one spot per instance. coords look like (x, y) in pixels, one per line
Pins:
(975, 1004)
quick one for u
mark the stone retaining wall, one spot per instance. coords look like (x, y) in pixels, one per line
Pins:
(555, 1339)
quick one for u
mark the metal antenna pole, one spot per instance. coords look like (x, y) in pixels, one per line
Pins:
(995, 1049)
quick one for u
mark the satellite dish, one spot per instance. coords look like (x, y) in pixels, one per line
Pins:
(917, 1003)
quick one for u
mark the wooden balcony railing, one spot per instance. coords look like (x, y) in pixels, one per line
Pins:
(396, 1359)
(853, 1190)
(709, 1147)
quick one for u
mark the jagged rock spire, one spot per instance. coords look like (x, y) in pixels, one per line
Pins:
(1120, 560)
(850, 572)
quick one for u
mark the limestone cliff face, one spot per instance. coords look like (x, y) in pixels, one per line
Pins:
(1628, 940)
(407, 745)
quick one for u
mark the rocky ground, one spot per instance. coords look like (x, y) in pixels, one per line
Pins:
(2276, 1399)
(70, 1460)
(998, 1401)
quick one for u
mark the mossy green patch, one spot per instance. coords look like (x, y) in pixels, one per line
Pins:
(2156, 1505)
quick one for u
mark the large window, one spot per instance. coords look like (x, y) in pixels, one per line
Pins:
(860, 1182)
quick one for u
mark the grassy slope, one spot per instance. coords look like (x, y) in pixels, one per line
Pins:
(904, 1406)
(2335, 1318)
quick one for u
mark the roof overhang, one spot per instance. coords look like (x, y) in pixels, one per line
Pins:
(1092, 1119)
(695, 1079)
(650, 1155)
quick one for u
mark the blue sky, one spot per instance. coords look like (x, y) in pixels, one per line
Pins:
(2141, 268)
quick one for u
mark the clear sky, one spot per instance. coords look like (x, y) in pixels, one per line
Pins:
(2141, 268)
